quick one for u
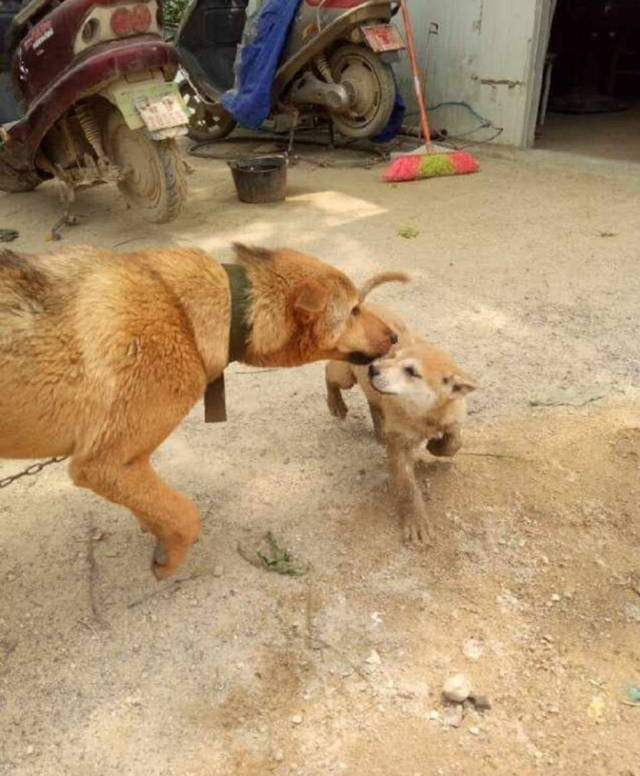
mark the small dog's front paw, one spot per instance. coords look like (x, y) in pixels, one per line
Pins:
(446, 445)
(416, 532)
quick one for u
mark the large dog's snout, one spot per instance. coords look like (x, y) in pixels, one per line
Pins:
(394, 338)
(373, 371)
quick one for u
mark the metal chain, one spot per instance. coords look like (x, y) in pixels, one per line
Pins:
(35, 468)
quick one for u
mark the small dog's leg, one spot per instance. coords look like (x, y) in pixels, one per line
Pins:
(410, 501)
(169, 515)
(338, 377)
(448, 444)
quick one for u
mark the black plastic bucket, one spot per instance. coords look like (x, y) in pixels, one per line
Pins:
(260, 179)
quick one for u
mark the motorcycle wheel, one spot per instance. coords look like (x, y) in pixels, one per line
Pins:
(208, 121)
(15, 182)
(155, 177)
(372, 84)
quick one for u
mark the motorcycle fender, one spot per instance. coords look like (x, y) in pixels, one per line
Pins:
(390, 57)
(152, 103)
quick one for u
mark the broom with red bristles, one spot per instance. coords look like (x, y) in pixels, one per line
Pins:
(432, 163)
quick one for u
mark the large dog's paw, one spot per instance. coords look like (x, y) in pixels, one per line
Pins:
(159, 565)
(416, 531)
(337, 407)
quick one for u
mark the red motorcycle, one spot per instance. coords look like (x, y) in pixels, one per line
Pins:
(87, 96)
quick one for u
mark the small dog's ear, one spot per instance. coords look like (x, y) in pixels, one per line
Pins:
(247, 253)
(310, 299)
(462, 385)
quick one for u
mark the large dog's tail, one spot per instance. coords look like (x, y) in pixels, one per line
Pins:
(383, 277)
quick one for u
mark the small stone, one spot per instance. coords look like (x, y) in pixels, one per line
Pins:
(374, 658)
(30, 750)
(297, 719)
(481, 702)
(472, 649)
(376, 618)
(457, 688)
(555, 597)
(278, 756)
(475, 731)
(434, 715)
(453, 716)
(218, 571)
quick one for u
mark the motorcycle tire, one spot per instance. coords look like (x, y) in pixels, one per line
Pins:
(206, 123)
(15, 182)
(155, 182)
(374, 87)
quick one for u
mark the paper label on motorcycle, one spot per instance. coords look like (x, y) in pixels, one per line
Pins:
(383, 37)
(128, 96)
(161, 113)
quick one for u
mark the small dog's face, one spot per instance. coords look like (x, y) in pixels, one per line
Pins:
(421, 377)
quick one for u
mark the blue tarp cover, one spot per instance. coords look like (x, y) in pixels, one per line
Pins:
(250, 102)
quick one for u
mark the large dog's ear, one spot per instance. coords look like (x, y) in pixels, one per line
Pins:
(309, 300)
(248, 253)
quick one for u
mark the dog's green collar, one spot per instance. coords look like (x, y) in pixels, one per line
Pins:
(239, 328)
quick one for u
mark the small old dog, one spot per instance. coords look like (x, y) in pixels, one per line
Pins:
(102, 354)
(416, 393)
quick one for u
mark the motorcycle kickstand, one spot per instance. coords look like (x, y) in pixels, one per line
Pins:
(291, 159)
(68, 195)
(332, 136)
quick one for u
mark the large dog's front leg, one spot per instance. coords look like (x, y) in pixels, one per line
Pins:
(413, 512)
(170, 516)
(339, 377)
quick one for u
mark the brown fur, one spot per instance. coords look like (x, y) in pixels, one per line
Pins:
(402, 422)
(103, 354)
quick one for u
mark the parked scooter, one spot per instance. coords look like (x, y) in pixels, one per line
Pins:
(335, 63)
(87, 96)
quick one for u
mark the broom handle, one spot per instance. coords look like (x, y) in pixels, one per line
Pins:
(416, 75)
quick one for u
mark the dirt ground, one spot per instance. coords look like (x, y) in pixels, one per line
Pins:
(528, 274)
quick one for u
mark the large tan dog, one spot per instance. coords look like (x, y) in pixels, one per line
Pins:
(103, 354)
(416, 393)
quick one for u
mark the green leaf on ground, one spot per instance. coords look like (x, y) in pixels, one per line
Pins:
(268, 555)
(408, 232)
